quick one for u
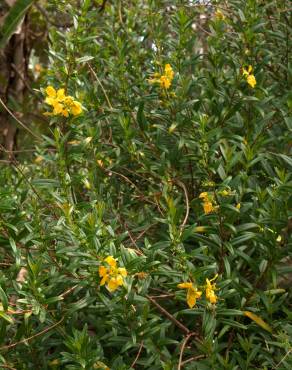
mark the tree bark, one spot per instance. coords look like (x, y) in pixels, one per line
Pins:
(13, 72)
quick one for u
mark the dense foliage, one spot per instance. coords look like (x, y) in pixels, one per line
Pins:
(152, 229)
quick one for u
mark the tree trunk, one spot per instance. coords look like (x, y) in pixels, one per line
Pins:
(13, 72)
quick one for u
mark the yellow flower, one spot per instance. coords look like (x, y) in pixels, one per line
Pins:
(114, 283)
(50, 100)
(238, 205)
(76, 108)
(208, 207)
(58, 108)
(210, 290)
(168, 72)
(164, 79)
(207, 202)
(251, 80)
(65, 113)
(165, 82)
(62, 104)
(247, 72)
(204, 195)
(111, 261)
(50, 91)
(61, 95)
(103, 273)
(192, 293)
(112, 275)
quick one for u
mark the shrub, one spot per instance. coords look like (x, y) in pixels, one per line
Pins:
(152, 230)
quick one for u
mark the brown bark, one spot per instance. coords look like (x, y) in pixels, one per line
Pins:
(13, 72)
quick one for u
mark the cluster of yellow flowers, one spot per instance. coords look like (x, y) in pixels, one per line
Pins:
(250, 78)
(165, 79)
(193, 293)
(62, 104)
(208, 202)
(112, 275)
(210, 290)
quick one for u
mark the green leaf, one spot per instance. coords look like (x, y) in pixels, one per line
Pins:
(84, 59)
(6, 317)
(3, 299)
(141, 119)
(13, 19)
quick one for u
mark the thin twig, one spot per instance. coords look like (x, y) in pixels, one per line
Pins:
(68, 291)
(194, 358)
(138, 250)
(8, 367)
(9, 346)
(100, 84)
(109, 172)
(16, 165)
(143, 232)
(182, 349)
(18, 121)
(162, 296)
(283, 359)
(169, 316)
(182, 185)
(138, 354)
(202, 29)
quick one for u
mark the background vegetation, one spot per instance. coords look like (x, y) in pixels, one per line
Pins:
(179, 182)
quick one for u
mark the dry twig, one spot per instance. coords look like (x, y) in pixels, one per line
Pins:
(169, 315)
(12, 345)
(18, 121)
(182, 349)
(138, 354)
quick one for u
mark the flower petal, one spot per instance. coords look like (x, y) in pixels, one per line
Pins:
(50, 100)
(76, 108)
(192, 296)
(104, 280)
(113, 284)
(61, 94)
(122, 271)
(111, 261)
(203, 195)
(208, 207)
(185, 285)
(102, 270)
(251, 80)
(50, 91)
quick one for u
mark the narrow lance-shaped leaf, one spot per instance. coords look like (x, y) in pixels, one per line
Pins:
(13, 19)
(258, 320)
